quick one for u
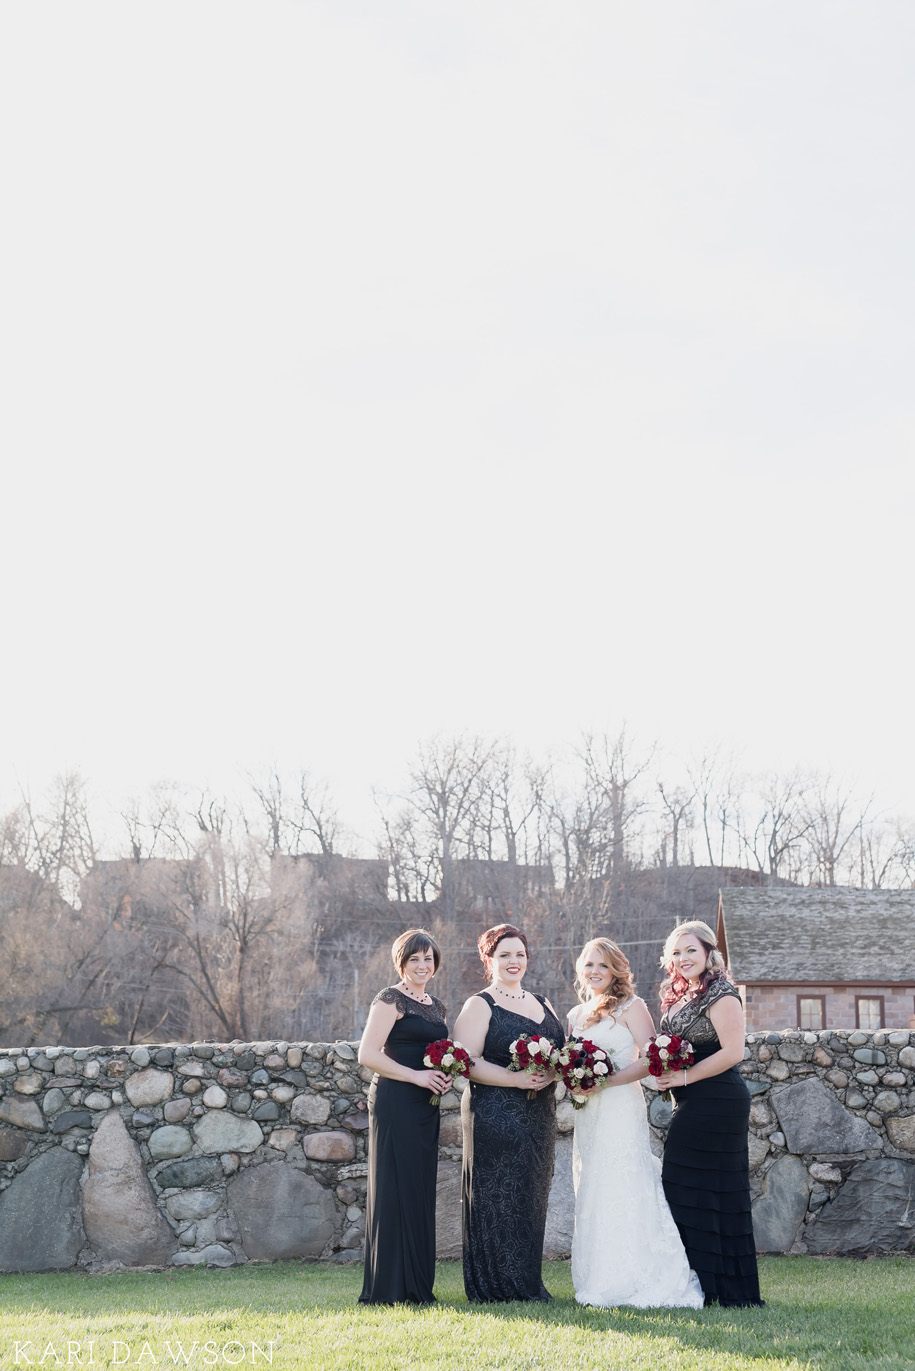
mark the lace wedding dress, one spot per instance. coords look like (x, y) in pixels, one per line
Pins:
(626, 1249)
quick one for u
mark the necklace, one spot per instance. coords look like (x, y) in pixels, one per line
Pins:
(420, 999)
(507, 993)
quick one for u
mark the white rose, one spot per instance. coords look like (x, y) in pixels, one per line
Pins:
(662, 1040)
(427, 1060)
(545, 1045)
(514, 1046)
(533, 1047)
(578, 1072)
(600, 1055)
(600, 1069)
(447, 1059)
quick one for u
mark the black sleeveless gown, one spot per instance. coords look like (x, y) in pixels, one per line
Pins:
(403, 1164)
(509, 1142)
(705, 1171)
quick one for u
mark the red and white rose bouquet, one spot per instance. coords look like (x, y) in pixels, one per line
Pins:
(530, 1052)
(583, 1066)
(668, 1052)
(448, 1056)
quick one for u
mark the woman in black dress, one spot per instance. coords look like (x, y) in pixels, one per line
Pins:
(509, 1139)
(403, 1128)
(706, 1170)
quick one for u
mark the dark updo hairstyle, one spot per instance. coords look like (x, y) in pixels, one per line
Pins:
(414, 940)
(489, 941)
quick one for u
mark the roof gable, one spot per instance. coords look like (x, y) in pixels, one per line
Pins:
(819, 935)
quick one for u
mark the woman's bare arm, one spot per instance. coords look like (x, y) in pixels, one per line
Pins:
(382, 1018)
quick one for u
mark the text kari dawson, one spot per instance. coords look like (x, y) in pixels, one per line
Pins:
(118, 1353)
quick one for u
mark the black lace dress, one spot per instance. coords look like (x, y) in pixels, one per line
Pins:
(706, 1169)
(509, 1143)
(403, 1163)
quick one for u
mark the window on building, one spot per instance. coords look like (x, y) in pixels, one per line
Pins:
(811, 1011)
(869, 1011)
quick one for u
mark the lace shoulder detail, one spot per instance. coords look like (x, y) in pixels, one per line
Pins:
(404, 1005)
(691, 1019)
(717, 990)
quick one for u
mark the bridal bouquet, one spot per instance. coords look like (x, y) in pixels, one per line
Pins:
(582, 1066)
(667, 1052)
(531, 1053)
(450, 1057)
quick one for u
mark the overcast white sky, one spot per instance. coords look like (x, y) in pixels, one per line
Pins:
(375, 369)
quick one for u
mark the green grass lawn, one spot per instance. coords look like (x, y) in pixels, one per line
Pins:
(833, 1315)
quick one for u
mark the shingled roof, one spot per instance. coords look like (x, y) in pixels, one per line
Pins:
(819, 935)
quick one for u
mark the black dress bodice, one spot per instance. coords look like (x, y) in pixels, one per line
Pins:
(509, 1142)
(706, 1169)
(691, 1020)
(420, 1025)
(403, 1162)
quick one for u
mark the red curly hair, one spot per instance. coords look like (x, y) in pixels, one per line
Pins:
(489, 941)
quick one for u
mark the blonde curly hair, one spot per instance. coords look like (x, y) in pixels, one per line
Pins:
(620, 989)
(676, 986)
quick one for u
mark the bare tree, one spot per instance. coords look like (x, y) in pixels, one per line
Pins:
(773, 837)
(613, 770)
(833, 825)
(448, 782)
(716, 793)
(677, 804)
(300, 818)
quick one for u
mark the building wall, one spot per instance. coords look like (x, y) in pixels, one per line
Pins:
(771, 1007)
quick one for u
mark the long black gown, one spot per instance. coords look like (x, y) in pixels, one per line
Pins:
(705, 1170)
(509, 1142)
(403, 1163)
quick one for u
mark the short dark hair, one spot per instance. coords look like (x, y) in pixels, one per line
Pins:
(414, 940)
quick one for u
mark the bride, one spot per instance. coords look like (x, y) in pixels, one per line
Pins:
(617, 1180)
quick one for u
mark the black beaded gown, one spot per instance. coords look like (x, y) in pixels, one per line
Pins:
(509, 1142)
(705, 1170)
(403, 1163)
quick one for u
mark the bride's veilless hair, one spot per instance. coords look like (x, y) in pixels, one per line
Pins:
(489, 941)
(676, 986)
(620, 989)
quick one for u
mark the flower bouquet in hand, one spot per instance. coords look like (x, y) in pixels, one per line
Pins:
(530, 1052)
(450, 1057)
(582, 1066)
(667, 1052)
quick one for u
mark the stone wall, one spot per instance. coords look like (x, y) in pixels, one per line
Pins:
(181, 1154)
(832, 1140)
(218, 1154)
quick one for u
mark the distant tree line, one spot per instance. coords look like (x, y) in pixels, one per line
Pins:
(260, 918)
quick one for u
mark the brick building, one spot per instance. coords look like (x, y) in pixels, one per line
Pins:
(821, 958)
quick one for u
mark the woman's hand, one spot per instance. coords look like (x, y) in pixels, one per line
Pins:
(535, 1080)
(669, 1080)
(436, 1081)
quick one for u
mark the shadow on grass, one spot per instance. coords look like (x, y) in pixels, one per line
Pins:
(826, 1314)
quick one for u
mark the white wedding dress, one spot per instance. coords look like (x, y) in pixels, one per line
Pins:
(626, 1249)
